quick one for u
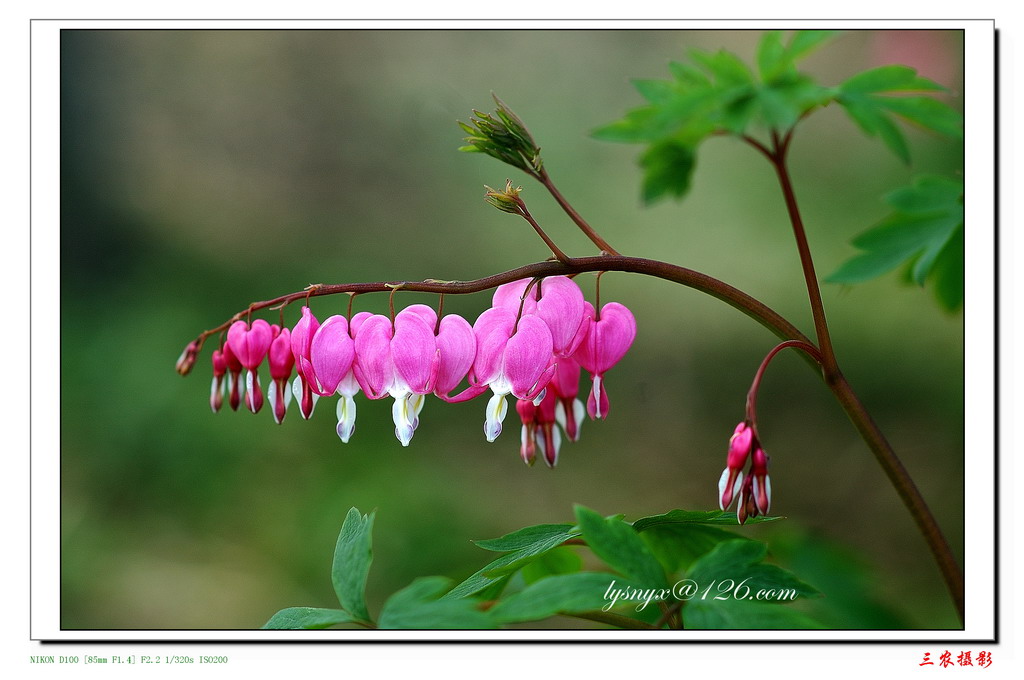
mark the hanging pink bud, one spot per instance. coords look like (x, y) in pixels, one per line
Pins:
(762, 483)
(220, 369)
(527, 414)
(281, 361)
(234, 383)
(606, 341)
(732, 476)
(331, 353)
(549, 439)
(250, 344)
(569, 410)
(188, 358)
(301, 341)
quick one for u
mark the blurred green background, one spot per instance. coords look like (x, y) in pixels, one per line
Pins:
(202, 170)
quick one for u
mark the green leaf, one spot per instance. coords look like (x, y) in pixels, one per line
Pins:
(713, 517)
(563, 594)
(525, 537)
(352, 557)
(733, 614)
(417, 606)
(874, 122)
(722, 574)
(306, 618)
(894, 78)
(725, 66)
(772, 57)
(525, 544)
(927, 222)
(927, 112)
(677, 546)
(668, 167)
(562, 560)
(804, 42)
(654, 91)
(619, 545)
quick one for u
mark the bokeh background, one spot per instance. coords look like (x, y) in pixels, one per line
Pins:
(202, 170)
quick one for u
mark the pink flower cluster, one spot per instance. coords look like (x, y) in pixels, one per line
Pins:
(532, 343)
(753, 493)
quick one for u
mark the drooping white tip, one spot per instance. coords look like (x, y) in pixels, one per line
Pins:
(402, 415)
(346, 418)
(497, 407)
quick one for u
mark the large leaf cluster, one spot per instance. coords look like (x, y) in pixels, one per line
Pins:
(539, 574)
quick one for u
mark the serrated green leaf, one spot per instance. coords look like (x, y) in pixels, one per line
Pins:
(527, 544)
(891, 78)
(668, 167)
(563, 594)
(418, 607)
(619, 546)
(927, 112)
(561, 560)
(804, 42)
(677, 546)
(352, 557)
(712, 517)
(639, 125)
(772, 58)
(731, 565)
(733, 614)
(875, 122)
(525, 537)
(689, 76)
(726, 67)
(654, 91)
(928, 214)
(306, 618)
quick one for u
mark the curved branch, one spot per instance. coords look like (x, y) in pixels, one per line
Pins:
(750, 306)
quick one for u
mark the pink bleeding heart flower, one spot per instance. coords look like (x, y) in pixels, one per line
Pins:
(400, 360)
(220, 369)
(607, 339)
(569, 410)
(456, 346)
(281, 361)
(332, 361)
(250, 345)
(561, 305)
(510, 296)
(302, 340)
(732, 477)
(511, 358)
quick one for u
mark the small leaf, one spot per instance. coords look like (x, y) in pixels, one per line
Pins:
(654, 91)
(352, 557)
(713, 517)
(948, 272)
(564, 594)
(418, 607)
(619, 546)
(725, 66)
(888, 79)
(805, 42)
(668, 167)
(927, 112)
(525, 537)
(772, 57)
(306, 618)
(561, 560)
